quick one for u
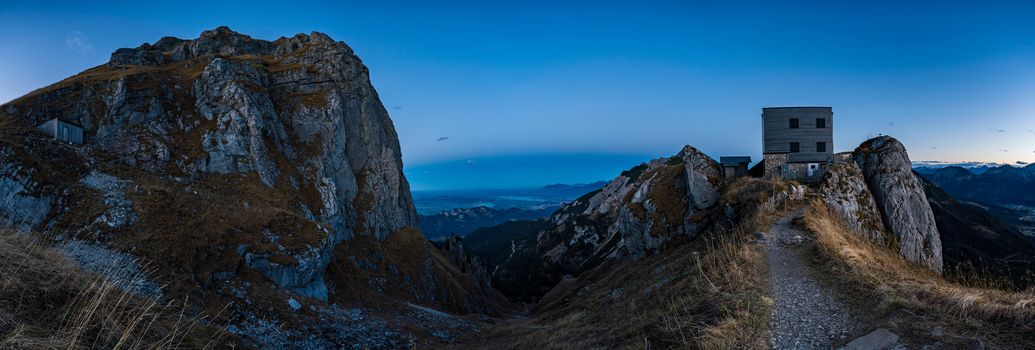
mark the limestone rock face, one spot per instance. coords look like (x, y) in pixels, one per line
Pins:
(224, 158)
(844, 190)
(635, 214)
(901, 200)
(242, 117)
(230, 104)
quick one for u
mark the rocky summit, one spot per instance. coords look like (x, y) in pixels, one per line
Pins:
(231, 163)
(900, 197)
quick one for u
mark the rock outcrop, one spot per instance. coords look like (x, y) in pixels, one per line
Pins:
(225, 158)
(636, 214)
(21, 205)
(896, 194)
(844, 190)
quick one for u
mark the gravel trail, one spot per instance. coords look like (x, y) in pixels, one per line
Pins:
(805, 315)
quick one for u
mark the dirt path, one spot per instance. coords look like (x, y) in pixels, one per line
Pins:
(806, 315)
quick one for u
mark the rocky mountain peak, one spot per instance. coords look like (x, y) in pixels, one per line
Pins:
(953, 171)
(221, 41)
(240, 161)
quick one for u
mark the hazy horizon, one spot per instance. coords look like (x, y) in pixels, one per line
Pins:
(529, 95)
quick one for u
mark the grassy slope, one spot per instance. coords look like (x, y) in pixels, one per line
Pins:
(911, 300)
(46, 302)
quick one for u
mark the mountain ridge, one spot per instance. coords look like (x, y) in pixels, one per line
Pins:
(463, 221)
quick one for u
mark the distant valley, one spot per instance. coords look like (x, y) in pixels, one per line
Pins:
(458, 213)
(463, 221)
(1007, 191)
(436, 201)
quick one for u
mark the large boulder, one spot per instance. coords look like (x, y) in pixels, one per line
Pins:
(901, 200)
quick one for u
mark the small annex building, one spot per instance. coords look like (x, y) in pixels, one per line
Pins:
(734, 166)
(62, 130)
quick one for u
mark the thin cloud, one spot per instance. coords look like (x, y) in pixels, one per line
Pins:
(443, 138)
(1003, 150)
(78, 42)
(470, 161)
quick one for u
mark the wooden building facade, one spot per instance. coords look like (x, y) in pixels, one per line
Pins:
(797, 142)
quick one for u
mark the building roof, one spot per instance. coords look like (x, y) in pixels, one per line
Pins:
(798, 107)
(734, 161)
(66, 121)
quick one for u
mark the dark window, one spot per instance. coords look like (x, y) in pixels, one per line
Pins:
(795, 147)
(794, 123)
(821, 146)
(821, 123)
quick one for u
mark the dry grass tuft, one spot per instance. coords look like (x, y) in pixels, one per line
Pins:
(46, 302)
(733, 272)
(883, 275)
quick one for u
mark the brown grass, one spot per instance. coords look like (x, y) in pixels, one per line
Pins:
(668, 194)
(881, 275)
(46, 302)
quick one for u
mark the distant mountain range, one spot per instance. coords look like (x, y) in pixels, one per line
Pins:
(1007, 191)
(462, 221)
(1004, 184)
(434, 202)
(458, 213)
(930, 166)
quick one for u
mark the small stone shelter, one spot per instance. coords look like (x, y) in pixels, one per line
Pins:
(62, 130)
(734, 166)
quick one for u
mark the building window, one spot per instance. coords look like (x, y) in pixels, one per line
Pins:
(821, 146)
(795, 147)
(821, 123)
(794, 123)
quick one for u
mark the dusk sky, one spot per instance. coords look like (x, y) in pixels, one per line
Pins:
(488, 95)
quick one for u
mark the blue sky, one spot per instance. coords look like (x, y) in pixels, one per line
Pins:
(485, 94)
